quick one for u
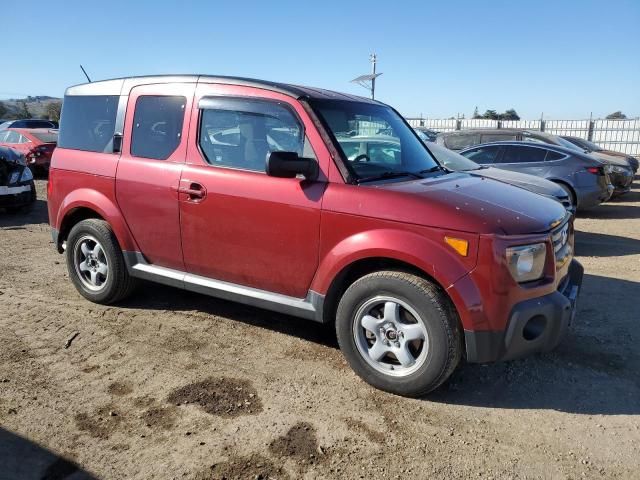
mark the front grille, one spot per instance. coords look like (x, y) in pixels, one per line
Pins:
(561, 245)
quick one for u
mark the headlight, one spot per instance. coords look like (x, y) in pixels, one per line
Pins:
(15, 176)
(26, 175)
(618, 169)
(526, 263)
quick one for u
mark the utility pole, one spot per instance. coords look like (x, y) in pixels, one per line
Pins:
(369, 81)
(373, 57)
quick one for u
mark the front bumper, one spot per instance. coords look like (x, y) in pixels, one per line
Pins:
(535, 325)
(17, 195)
(621, 181)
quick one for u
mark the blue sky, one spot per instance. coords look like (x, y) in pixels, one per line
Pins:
(441, 58)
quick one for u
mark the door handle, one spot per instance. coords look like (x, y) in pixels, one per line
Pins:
(194, 190)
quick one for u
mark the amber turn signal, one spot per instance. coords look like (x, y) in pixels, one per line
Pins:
(459, 245)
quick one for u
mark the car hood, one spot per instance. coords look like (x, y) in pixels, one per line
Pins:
(472, 203)
(532, 183)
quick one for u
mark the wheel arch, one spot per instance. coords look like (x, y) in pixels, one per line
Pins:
(83, 204)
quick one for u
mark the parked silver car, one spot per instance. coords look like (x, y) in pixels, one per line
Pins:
(455, 161)
(584, 178)
(621, 173)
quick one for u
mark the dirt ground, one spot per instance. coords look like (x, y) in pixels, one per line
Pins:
(171, 384)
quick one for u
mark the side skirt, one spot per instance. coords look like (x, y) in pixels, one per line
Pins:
(309, 307)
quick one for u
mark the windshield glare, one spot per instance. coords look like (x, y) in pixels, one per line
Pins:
(374, 139)
(451, 159)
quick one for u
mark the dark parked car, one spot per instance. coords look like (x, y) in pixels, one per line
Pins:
(621, 174)
(454, 161)
(584, 178)
(282, 197)
(28, 123)
(17, 189)
(462, 139)
(597, 150)
(426, 134)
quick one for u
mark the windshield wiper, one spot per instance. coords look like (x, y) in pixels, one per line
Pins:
(432, 169)
(387, 175)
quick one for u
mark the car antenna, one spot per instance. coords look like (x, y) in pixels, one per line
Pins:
(85, 73)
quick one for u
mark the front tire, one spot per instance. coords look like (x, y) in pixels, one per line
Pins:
(399, 332)
(96, 264)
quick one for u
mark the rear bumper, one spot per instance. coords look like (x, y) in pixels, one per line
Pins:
(535, 325)
(592, 197)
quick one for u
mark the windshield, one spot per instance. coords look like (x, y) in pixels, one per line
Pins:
(375, 140)
(581, 142)
(451, 159)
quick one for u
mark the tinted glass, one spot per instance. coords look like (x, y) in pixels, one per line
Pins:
(496, 137)
(241, 133)
(12, 137)
(523, 154)
(554, 156)
(88, 122)
(482, 155)
(452, 160)
(157, 126)
(46, 137)
(458, 142)
(374, 139)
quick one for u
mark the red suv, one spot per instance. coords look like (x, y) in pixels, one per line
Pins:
(312, 203)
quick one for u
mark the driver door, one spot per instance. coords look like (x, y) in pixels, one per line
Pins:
(238, 224)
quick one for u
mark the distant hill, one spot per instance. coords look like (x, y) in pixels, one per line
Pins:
(36, 105)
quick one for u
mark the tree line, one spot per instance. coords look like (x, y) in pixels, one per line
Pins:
(52, 111)
(511, 114)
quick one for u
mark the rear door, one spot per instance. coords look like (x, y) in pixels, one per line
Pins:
(240, 225)
(153, 153)
(524, 158)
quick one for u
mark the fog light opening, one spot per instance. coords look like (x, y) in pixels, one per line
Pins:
(534, 327)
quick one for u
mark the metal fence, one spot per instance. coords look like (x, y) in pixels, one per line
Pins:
(619, 135)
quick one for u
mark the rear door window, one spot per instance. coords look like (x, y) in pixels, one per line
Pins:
(88, 122)
(458, 142)
(157, 126)
(497, 137)
(523, 154)
(483, 155)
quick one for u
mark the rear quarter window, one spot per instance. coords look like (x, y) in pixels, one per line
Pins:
(88, 122)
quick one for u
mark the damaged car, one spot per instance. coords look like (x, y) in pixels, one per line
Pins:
(17, 189)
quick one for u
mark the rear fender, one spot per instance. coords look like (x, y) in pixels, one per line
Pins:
(103, 206)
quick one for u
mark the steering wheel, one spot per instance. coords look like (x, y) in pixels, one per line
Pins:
(363, 157)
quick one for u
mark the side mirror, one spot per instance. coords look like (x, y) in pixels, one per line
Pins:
(290, 165)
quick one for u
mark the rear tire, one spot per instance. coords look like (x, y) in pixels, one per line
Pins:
(96, 264)
(411, 342)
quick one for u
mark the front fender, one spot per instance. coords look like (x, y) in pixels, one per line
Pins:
(103, 206)
(425, 251)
